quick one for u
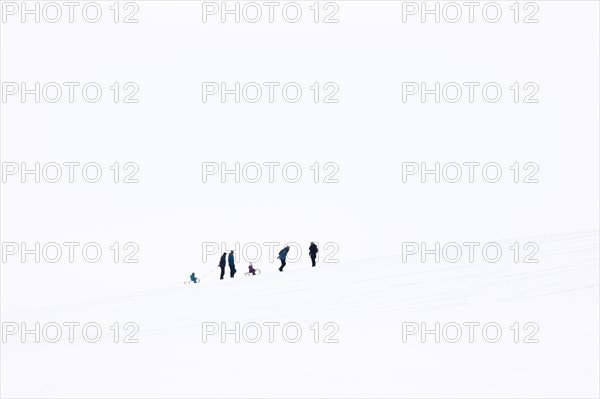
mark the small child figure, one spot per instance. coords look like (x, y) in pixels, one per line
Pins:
(251, 269)
(194, 278)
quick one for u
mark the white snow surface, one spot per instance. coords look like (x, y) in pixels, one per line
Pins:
(369, 300)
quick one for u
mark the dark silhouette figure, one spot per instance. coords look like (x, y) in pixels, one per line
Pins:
(194, 278)
(251, 270)
(312, 251)
(282, 255)
(222, 264)
(231, 260)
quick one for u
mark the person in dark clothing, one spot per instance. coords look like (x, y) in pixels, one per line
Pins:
(222, 264)
(282, 255)
(194, 278)
(231, 260)
(251, 270)
(312, 251)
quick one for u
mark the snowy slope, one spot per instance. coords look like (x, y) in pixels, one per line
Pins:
(369, 300)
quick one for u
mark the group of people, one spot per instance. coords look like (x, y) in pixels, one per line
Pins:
(312, 251)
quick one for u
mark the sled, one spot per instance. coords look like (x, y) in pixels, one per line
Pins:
(190, 282)
(256, 273)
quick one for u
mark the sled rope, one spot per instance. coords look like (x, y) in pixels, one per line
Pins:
(200, 279)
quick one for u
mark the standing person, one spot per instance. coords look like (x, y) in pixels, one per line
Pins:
(312, 251)
(231, 260)
(222, 264)
(282, 255)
